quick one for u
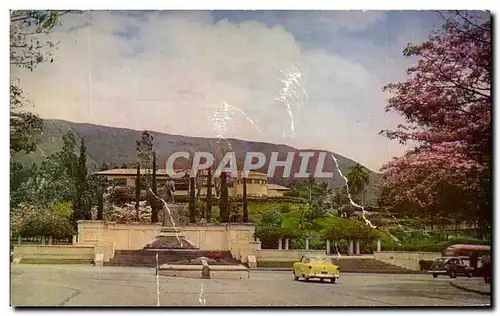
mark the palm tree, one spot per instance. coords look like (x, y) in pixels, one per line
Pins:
(357, 179)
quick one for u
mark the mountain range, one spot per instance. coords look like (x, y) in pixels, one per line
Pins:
(117, 146)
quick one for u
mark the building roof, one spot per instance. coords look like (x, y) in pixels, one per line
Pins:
(277, 187)
(252, 174)
(131, 172)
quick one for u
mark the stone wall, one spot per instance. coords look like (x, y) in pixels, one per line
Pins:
(37, 252)
(134, 236)
(406, 259)
(284, 255)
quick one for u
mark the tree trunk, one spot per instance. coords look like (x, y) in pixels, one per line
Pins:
(192, 200)
(209, 197)
(137, 190)
(223, 201)
(245, 201)
(100, 205)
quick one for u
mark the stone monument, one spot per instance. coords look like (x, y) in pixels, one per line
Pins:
(170, 236)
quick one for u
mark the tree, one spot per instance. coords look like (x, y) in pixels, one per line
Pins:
(154, 204)
(55, 179)
(62, 209)
(104, 167)
(23, 180)
(315, 192)
(145, 151)
(357, 179)
(27, 50)
(223, 200)
(122, 195)
(138, 189)
(446, 103)
(245, 200)
(81, 201)
(269, 226)
(123, 166)
(341, 229)
(192, 200)
(208, 211)
(46, 224)
(217, 186)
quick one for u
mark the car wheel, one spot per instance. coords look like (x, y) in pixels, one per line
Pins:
(296, 278)
(452, 274)
(333, 280)
(307, 279)
(434, 275)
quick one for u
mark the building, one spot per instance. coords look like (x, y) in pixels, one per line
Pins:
(257, 183)
(276, 190)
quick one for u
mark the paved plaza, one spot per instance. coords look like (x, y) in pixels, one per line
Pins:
(68, 285)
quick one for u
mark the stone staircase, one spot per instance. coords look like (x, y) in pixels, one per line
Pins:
(370, 266)
(147, 258)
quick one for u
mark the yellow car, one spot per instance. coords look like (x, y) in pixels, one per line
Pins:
(316, 267)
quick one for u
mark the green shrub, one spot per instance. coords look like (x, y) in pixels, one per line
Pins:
(425, 265)
(274, 264)
(435, 247)
(47, 224)
(121, 195)
(63, 209)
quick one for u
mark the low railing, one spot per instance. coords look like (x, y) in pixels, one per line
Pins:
(40, 240)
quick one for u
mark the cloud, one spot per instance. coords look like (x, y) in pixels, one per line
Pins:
(169, 72)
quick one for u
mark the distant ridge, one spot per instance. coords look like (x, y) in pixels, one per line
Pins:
(115, 146)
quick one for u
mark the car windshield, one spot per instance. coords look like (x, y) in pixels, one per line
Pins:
(321, 259)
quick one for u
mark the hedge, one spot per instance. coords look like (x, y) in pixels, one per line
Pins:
(437, 247)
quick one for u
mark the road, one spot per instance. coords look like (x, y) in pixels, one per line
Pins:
(66, 285)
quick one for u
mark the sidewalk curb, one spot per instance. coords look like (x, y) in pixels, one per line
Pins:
(272, 269)
(469, 289)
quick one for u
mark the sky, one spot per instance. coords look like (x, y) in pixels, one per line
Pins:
(308, 79)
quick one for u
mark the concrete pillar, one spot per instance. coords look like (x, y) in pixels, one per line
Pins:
(357, 247)
(43, 240)
(280, 246)
(351, 247)
(379, 246)
(307, 243)
(74, 239)
(50, 240)
(287, 243)
(19, 238)
(327, 247)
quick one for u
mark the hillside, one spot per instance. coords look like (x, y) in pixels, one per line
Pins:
(115, 146)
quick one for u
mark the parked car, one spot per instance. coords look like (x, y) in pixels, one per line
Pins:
(486, 268)
(316, 267)
(451, 266)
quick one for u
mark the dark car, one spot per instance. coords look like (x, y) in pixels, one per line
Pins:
(486, 268)
(451, 266)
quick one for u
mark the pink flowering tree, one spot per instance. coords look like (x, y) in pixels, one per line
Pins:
(446, 103)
